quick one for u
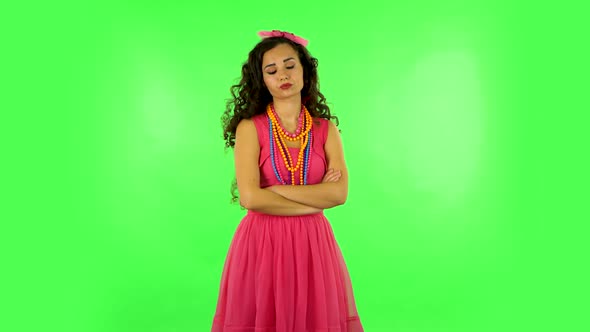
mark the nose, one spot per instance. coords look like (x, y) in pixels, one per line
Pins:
(283, 75)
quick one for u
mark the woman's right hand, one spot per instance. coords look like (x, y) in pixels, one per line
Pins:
(332, 175)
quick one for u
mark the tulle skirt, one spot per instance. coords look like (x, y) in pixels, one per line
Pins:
(285, 274)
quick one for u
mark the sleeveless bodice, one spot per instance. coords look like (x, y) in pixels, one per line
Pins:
(317, 157)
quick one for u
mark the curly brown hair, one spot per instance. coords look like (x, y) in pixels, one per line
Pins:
(250, 96)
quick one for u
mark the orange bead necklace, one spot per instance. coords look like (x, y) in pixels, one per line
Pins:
(279, 138)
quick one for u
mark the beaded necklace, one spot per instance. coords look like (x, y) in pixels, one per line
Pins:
(278, 137)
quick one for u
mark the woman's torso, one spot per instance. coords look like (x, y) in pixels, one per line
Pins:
(317, 157)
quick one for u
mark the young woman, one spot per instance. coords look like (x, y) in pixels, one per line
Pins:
(284, 271)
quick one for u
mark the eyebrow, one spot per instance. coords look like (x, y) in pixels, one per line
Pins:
(272, 64)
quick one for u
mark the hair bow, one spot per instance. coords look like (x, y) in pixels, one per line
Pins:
(284, 34)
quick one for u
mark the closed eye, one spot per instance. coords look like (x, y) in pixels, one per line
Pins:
(274, 72)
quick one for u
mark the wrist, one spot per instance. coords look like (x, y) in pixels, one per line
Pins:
(275, 189)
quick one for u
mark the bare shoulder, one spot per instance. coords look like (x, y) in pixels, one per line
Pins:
(246, 136)
(246, 125)
(335, 155)
(326, 126)
(246, 151)
(246, 131)
(332, 128)
(333, 134)
(333, 145)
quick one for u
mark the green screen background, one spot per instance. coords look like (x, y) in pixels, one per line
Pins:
(465, 132)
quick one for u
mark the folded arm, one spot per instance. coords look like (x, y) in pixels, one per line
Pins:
(326, 194)
(252, 197)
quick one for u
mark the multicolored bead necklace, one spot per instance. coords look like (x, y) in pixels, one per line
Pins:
(278, 137)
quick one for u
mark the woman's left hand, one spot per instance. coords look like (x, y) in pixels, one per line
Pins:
(332, 175)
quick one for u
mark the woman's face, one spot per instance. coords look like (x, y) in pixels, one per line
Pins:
(282, 72)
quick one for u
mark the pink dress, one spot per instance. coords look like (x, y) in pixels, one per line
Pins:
(286, 273)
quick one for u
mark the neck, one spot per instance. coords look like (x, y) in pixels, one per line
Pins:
(288, 110)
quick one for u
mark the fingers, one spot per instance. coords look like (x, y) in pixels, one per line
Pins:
(332, 175)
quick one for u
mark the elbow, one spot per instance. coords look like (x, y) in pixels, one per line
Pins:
(246, 203)
(343, 194)
(247, 200)
(243, 203)
(337, 196)
(341, 199)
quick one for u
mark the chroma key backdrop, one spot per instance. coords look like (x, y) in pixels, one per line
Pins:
(464, 126)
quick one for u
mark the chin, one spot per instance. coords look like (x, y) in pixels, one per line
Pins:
(286, 94)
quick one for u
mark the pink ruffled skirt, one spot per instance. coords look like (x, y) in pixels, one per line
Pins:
(285, 274)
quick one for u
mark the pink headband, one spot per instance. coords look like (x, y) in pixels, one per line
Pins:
(284, 34)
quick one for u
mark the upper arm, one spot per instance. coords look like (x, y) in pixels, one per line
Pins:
(335, 156)
(246, 154)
